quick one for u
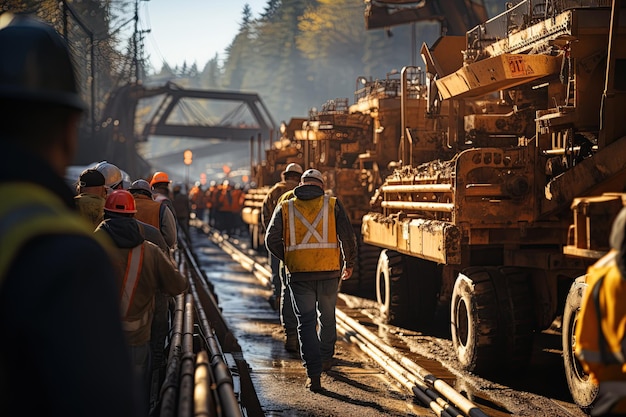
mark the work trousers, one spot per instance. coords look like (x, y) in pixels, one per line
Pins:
(287, 314)
(314, 304)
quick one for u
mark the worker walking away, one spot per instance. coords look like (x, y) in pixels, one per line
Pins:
(224, 202)
(281, 297)
(312, 235)
(198, 199)
(64, 351)
(238, 199)
(211, 202)
(143, 270)
(160, 184)
(182, 207)
(154, 212)
(91, 195)
(159, 215)
(600, 333)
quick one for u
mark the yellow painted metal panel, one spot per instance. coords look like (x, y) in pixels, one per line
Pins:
(497, 73)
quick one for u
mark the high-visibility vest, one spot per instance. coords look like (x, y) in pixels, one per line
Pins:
(310, 235)
(129, 286)
(28, 210)
(601, 325)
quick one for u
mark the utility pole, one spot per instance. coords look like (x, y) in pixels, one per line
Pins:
(135, 35)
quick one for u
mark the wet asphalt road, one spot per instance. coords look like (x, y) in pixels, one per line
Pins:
(354, 387)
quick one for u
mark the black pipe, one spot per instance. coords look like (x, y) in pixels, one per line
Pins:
(169, 388)
(185, 393)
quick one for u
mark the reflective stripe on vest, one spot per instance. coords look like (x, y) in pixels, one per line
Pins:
(310, 235)
(322, 240)
(28, 211)
(129, 286)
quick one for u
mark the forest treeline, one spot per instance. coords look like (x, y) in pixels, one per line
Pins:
(297, 54)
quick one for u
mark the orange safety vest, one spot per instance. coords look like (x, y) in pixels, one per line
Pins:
(225, 200)
(148, 211)
(129, 286)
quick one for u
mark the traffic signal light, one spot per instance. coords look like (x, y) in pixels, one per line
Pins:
(187, 155)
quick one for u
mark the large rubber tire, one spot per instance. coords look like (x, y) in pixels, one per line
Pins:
(368, 259)
(474, 321)
(583, 391)
(389, 269)
(406, 290)
(492, 319)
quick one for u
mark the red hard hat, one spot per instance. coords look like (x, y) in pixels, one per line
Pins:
(120, 201)
(159, 177)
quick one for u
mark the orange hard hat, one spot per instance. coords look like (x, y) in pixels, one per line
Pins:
(159, 177)
(120, 201)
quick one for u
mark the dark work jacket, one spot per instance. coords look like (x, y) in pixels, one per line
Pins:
(157, 273)
(64, 352)
(275, 242)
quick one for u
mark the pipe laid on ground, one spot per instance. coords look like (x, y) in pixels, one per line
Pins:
(187, 366)
(465, 405)
(394, 370)
(169, 389)
(203, 402)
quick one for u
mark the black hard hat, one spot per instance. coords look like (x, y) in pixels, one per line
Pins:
(35, 63)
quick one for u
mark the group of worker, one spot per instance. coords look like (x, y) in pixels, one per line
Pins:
(219, 205)
(145, 212)
(312, 247)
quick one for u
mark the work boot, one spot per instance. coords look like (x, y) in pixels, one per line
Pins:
(291, 342)
(313, 383)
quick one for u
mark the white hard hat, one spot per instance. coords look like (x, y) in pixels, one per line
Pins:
(293, 167)
(313, 174)
(112, 174)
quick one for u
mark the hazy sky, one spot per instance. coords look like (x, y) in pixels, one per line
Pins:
(191, 30)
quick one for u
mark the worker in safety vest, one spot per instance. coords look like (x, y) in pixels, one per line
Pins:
(182, 206)
(143, 270)
(63, 351)
(601, 326)
(235, 221)
(224, 206)
(160, 216)
(198, 199)
(160, 184)
(154, 212)
(281, 297)
(312, 235)
(211, 201)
